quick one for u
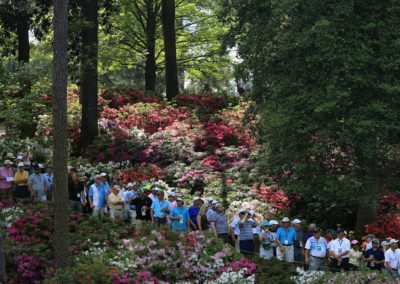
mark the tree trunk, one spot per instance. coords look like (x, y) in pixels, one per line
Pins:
(60, 138)
(150, 68)
(368, 203)
(89, 73)
(23, 36)
(2, 260)
(171, 69)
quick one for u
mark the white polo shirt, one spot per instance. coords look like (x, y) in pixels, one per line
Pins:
(317, 247)
(339, 246)
(393, 258)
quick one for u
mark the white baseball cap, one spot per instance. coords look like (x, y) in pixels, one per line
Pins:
(296, 221)
(20, 157)
(196, 198)
(129, 185)
(103, 174)
(179, 199)
(41, 166)
(20, 164)
(393, 241)
(285, 219)
(252, 212)
(172, 193)
(156, 188)
(215, 202)
(273, 222)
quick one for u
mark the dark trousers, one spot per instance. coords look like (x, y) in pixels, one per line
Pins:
(160, 221)
(246, 246)
(225, 238)
(335, 267)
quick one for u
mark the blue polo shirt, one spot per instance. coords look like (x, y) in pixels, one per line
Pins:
(180, 225)
(193, 212)
(286, 237)
(105, 187)
(157, 205)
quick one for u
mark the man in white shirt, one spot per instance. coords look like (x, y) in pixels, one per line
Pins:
(316, 252)
(339, 252)
(392, 259)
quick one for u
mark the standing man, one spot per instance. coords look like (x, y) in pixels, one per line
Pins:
(159, 210)
(267, 240)
(317, 252)
(339, 252)
(374, 257)
(246, 225)
(286, 236)
(75, 189)
(116, 203)
(48, 179)
(298, 243)
(194, 211)
(97, 198)
(142, 206)
(6, 180)
(172, 204)
(392, 259)
(37, 184)
(131, 194)
(219, 224)
(180, 220)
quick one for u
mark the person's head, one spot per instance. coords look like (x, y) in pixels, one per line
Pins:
(21, 167)
(103, 177)
(160, 195)
(36, 169)
(171, 196)
(393, 244)
(273, 225)
(340, 233)
(50, 169)
(141, 193)
(220, 208)
(312, 227)
(265, 225)
(370, 237)
(242, 213)
(180, 201)
(296, 224)
(97, 179)
(196, 201)
(317, 233)
(354, 245)
(116, 189)
(155, 190)
(375, 243)
(129, 186)
(214, 204)
(135, 186)
(7, 164)
(285, 222)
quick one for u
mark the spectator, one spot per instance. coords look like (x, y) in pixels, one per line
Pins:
(130, 194)
(194, 211)
(339, 250)
(154, 193)
(392, 257)
(355, 256)
(311, 229)
(298, 242)
(219, 224)
(6, 180)
(75, 189)
(316, 251)
(21, 182)
(267, 240)
(201, 219)
(246, 226)
(374, 257)
(37, 185)
(48, 179)
(172, 204)
(159, 210)
(97, 197)
(286, 236)
(180, 220)
(142, 206)
(116, 203)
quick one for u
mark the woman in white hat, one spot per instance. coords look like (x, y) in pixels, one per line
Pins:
(6, 180)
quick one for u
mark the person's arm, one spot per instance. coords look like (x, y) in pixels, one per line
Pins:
(30, 186)
(152, 214)
(243, 220)
(261, 237)
(390, 268)
(307, 248)
(198, 219)
(214, 230)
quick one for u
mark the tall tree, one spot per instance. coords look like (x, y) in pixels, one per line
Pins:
(89, 72)
(328, 78)
(152, 9)
(60, 137)
(171, 68)
(22, 19)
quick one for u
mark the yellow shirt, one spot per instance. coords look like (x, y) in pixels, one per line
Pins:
(113, 199)
(18, 177)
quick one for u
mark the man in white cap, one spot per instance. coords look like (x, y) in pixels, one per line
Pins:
(392, 259)
(298, 243)
(159, 210)
(180, 220)
(21, 182)
(97, 197)
(286, 236)
(6, 180)
(154, 194)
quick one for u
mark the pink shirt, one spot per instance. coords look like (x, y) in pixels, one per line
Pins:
(4, 173)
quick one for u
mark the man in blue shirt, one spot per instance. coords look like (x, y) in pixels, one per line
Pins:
(316, 251)
(159, 210)
(286, 236)
(130, 194)
(374, 257)
(180, 220)
(194, 211)
(97, 197)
